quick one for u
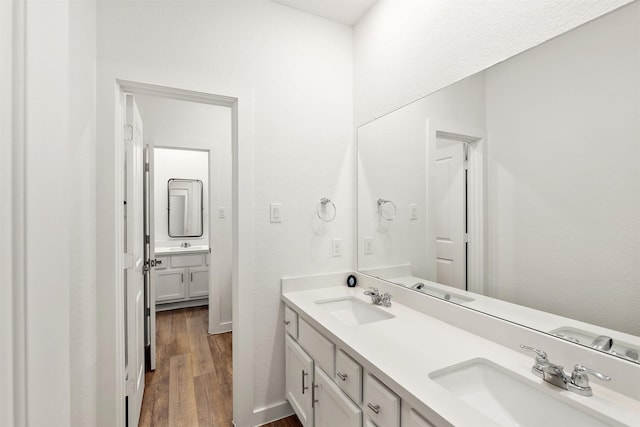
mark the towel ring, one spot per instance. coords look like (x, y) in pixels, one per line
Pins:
(322, 206)
(381, 211)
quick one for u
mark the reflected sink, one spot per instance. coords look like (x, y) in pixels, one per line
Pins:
(511, 400)
(353, 311)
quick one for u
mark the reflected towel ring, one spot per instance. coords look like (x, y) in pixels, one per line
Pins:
(322, 207)
(381, 211)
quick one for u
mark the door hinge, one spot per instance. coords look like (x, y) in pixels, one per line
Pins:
(466, 164)
(467, 238)
(130, 386)
(128, 133)
(148, 312)
(146, 167)
(147, 239)
(128, 260)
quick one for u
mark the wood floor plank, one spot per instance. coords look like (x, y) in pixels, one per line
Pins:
(193, 381)
(163, 327)
(182, 397)
(179, 333)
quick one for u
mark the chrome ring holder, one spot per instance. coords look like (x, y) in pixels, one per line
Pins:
(322, 208)
(381, 211)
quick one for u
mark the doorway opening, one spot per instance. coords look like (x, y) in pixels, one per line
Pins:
(180, 243)
(456, 209)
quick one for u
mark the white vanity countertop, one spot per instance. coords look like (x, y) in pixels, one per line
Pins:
(402, 351)
(176, 250)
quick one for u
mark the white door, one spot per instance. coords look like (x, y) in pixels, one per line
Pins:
(332, 407)
(299, 377)
(149, 254)
(450, 203)
(134, 255)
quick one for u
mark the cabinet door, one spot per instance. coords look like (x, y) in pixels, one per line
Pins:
(299, 376)
(198, 282)
(331, 406)
(410, 418)
(381, 405)
(170, 285)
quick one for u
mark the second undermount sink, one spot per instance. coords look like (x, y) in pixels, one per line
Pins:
(511, 400)
(353, 311)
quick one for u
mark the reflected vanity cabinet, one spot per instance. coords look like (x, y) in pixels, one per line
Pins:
(181, 277)
(327, 387)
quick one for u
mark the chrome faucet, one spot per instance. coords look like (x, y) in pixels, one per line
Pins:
(577, 381)
(377, 299)
(602, 342)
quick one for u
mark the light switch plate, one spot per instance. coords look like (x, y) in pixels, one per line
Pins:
(275, 212)
(222, 212)
(336, 247)
(368, 246)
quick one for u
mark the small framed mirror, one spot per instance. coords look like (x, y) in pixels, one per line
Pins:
(185, 207)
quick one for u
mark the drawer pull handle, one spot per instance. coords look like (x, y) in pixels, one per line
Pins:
(314, 401)
(192, 277)
(181, 277)
(374, 408)
(343, 377)
(287, 322)
(304, 387)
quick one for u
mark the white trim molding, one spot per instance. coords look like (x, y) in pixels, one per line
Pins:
(13, 410)
(109, 278)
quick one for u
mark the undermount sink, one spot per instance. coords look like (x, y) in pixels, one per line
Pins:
(353, 311)
(511, 400)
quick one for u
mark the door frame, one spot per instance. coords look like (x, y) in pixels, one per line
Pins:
(110, 310)
(13, 166)
(476, 189)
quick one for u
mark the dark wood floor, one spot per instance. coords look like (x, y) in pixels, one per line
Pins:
(192, 383)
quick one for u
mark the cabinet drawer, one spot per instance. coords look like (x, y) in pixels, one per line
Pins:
(195, 260)
(381, 405)
(291, 322)
(321, 350)
(349, 376)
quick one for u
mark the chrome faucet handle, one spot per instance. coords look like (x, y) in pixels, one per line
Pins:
(542, 362)
(542, 355)
(386, 299)
(580, 378)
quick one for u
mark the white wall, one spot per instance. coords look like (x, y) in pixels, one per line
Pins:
(59, 203)
(563, 174)
(179, 164)
(293, 75)
(404, 50)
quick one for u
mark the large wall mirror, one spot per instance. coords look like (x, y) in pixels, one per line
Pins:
(516, 191)
(185, 207)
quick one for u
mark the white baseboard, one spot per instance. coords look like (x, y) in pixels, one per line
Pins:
(221, 328)
(271, 413)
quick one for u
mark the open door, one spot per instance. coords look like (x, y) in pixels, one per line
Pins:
(134, 261)
(450, 204)
(149, 256)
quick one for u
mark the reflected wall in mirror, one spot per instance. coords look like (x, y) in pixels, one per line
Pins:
(185, 207)
(517, 190)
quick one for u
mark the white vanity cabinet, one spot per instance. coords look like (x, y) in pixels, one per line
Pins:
(299, 372)
(181, 278)
(411, 418)
(311, 391)
(329, 388)
(381, 405)
(331, 407)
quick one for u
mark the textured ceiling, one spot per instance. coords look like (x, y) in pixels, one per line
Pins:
(346, 12)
